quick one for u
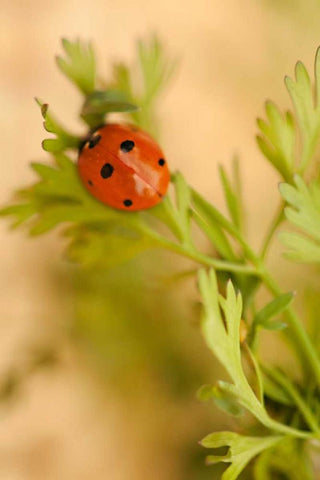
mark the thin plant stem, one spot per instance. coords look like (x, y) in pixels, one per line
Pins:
(277, 220)
(190, 252)
(301, 338)
(293, 392)
(257, 371)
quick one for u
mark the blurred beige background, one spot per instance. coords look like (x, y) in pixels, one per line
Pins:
(233, 55)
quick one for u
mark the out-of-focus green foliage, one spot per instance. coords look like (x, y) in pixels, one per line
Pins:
(144, 81)
(281, 133)
(303, 211)
(79, 65)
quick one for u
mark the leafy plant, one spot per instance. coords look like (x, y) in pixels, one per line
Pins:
(230, 278)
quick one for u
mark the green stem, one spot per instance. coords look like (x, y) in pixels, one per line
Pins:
(301, 338)
(256, 368)
(278, 218)
(281, 428)
(218, 265)
(293, 392)
(253, 405)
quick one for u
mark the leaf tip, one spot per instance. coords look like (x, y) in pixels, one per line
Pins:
(317, 57)
(65, 42)
(288, 81)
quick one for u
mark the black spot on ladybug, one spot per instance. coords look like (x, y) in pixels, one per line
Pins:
(127, 146)
(161, 162)
(106, 171)
(94, 141)
(90, 183)
(127, 202)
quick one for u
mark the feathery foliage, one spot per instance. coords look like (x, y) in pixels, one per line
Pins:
(231, 274)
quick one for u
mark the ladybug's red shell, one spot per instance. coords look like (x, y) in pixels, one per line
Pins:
(124, 167)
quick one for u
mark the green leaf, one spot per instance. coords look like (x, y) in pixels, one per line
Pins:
(307, 107)
(152, 72)
(275, 391)
(210, 213)
(214, 218)
(79, 65)
(221, 330)
(274, 325)
(214, 225)
(281, 133)
(63, 140)
(123, 80)
(298, 397)
(241, 450)
(176, 217)
(205, 393)
(264, 317)
(167, 214)
(183, 198)
(303, 211)
(100, 103)
(220, 393)
(227, 348)
(232, 193)
(59, 198)
(22, 213)
(288, 459)
(89, 246)
(156, 70)
(107, 101)
(300, 248)
(277, 139)
(216, 236)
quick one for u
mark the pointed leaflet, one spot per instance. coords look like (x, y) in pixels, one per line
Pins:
(221, 330)
(183, 198)
(214, 224)
(153, 71)
(221, 397)
(277, 139)
(63, 140)
(232, 193)
(107, 101)
(98, 104)
(156, 69)
(307, 108)
(241, 450)
(275, 307)
(280, 134)
(303, 211)
(79, 64)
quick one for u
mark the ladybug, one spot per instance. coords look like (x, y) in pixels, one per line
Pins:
(123, 167)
